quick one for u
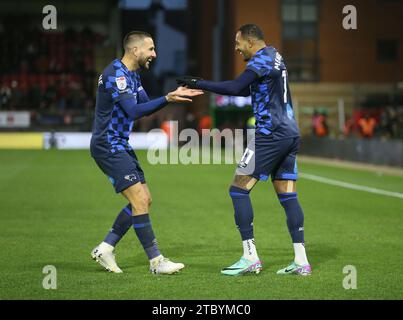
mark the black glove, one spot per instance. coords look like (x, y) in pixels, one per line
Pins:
(188, 81)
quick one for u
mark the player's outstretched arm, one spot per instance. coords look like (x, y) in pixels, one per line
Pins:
(138, 110)
(237, 87)
(182, 94)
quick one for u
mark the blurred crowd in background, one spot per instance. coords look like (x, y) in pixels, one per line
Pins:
(53, 76)
(381, 122)
(50, 74)
(385, 122)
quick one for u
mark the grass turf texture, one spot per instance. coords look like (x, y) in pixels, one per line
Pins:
(57, 205)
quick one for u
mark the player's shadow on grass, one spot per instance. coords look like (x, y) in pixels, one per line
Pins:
(279, 256)
(321, 253)
(186, 256)
(194, 258)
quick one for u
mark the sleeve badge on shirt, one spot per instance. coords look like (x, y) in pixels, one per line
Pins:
(121, 83)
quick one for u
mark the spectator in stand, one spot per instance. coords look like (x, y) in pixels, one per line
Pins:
(76, 96)
(205, 122)
(319, 124)
(5, 96)
(384, 124)
(34, 97)
(400, 122)
(16, 96)
(349, 126)
(50, 97)
(45, 65)
(62, 92)
(393, 121)
(367, 125)
(190, 120)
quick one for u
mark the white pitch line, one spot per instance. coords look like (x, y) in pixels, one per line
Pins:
(350, 185)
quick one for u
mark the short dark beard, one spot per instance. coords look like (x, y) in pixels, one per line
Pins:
(142, 64)
(245, 58)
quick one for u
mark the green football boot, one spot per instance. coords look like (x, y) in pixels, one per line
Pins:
(243, 266)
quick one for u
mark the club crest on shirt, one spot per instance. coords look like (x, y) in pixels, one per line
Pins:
(121, 83)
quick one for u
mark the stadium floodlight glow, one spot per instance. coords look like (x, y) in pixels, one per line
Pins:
(146, 4)
(221, 101)
(135, 4)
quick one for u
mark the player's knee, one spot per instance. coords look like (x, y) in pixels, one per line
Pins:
(285, 186)
(141, 204)
(145, 201)
(244, 182)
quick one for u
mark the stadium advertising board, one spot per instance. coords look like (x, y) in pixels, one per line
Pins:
(15, 119)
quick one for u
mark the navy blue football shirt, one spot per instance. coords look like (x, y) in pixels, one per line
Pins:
(271, 98)
(112, 126)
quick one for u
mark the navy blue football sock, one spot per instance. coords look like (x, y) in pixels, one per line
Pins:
(122, 223)
(295, 216)
(145, 233)
(243, 211)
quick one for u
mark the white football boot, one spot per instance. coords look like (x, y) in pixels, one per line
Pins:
(104, 255)
(162, 265)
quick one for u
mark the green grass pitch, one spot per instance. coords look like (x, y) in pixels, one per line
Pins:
(55, 206)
